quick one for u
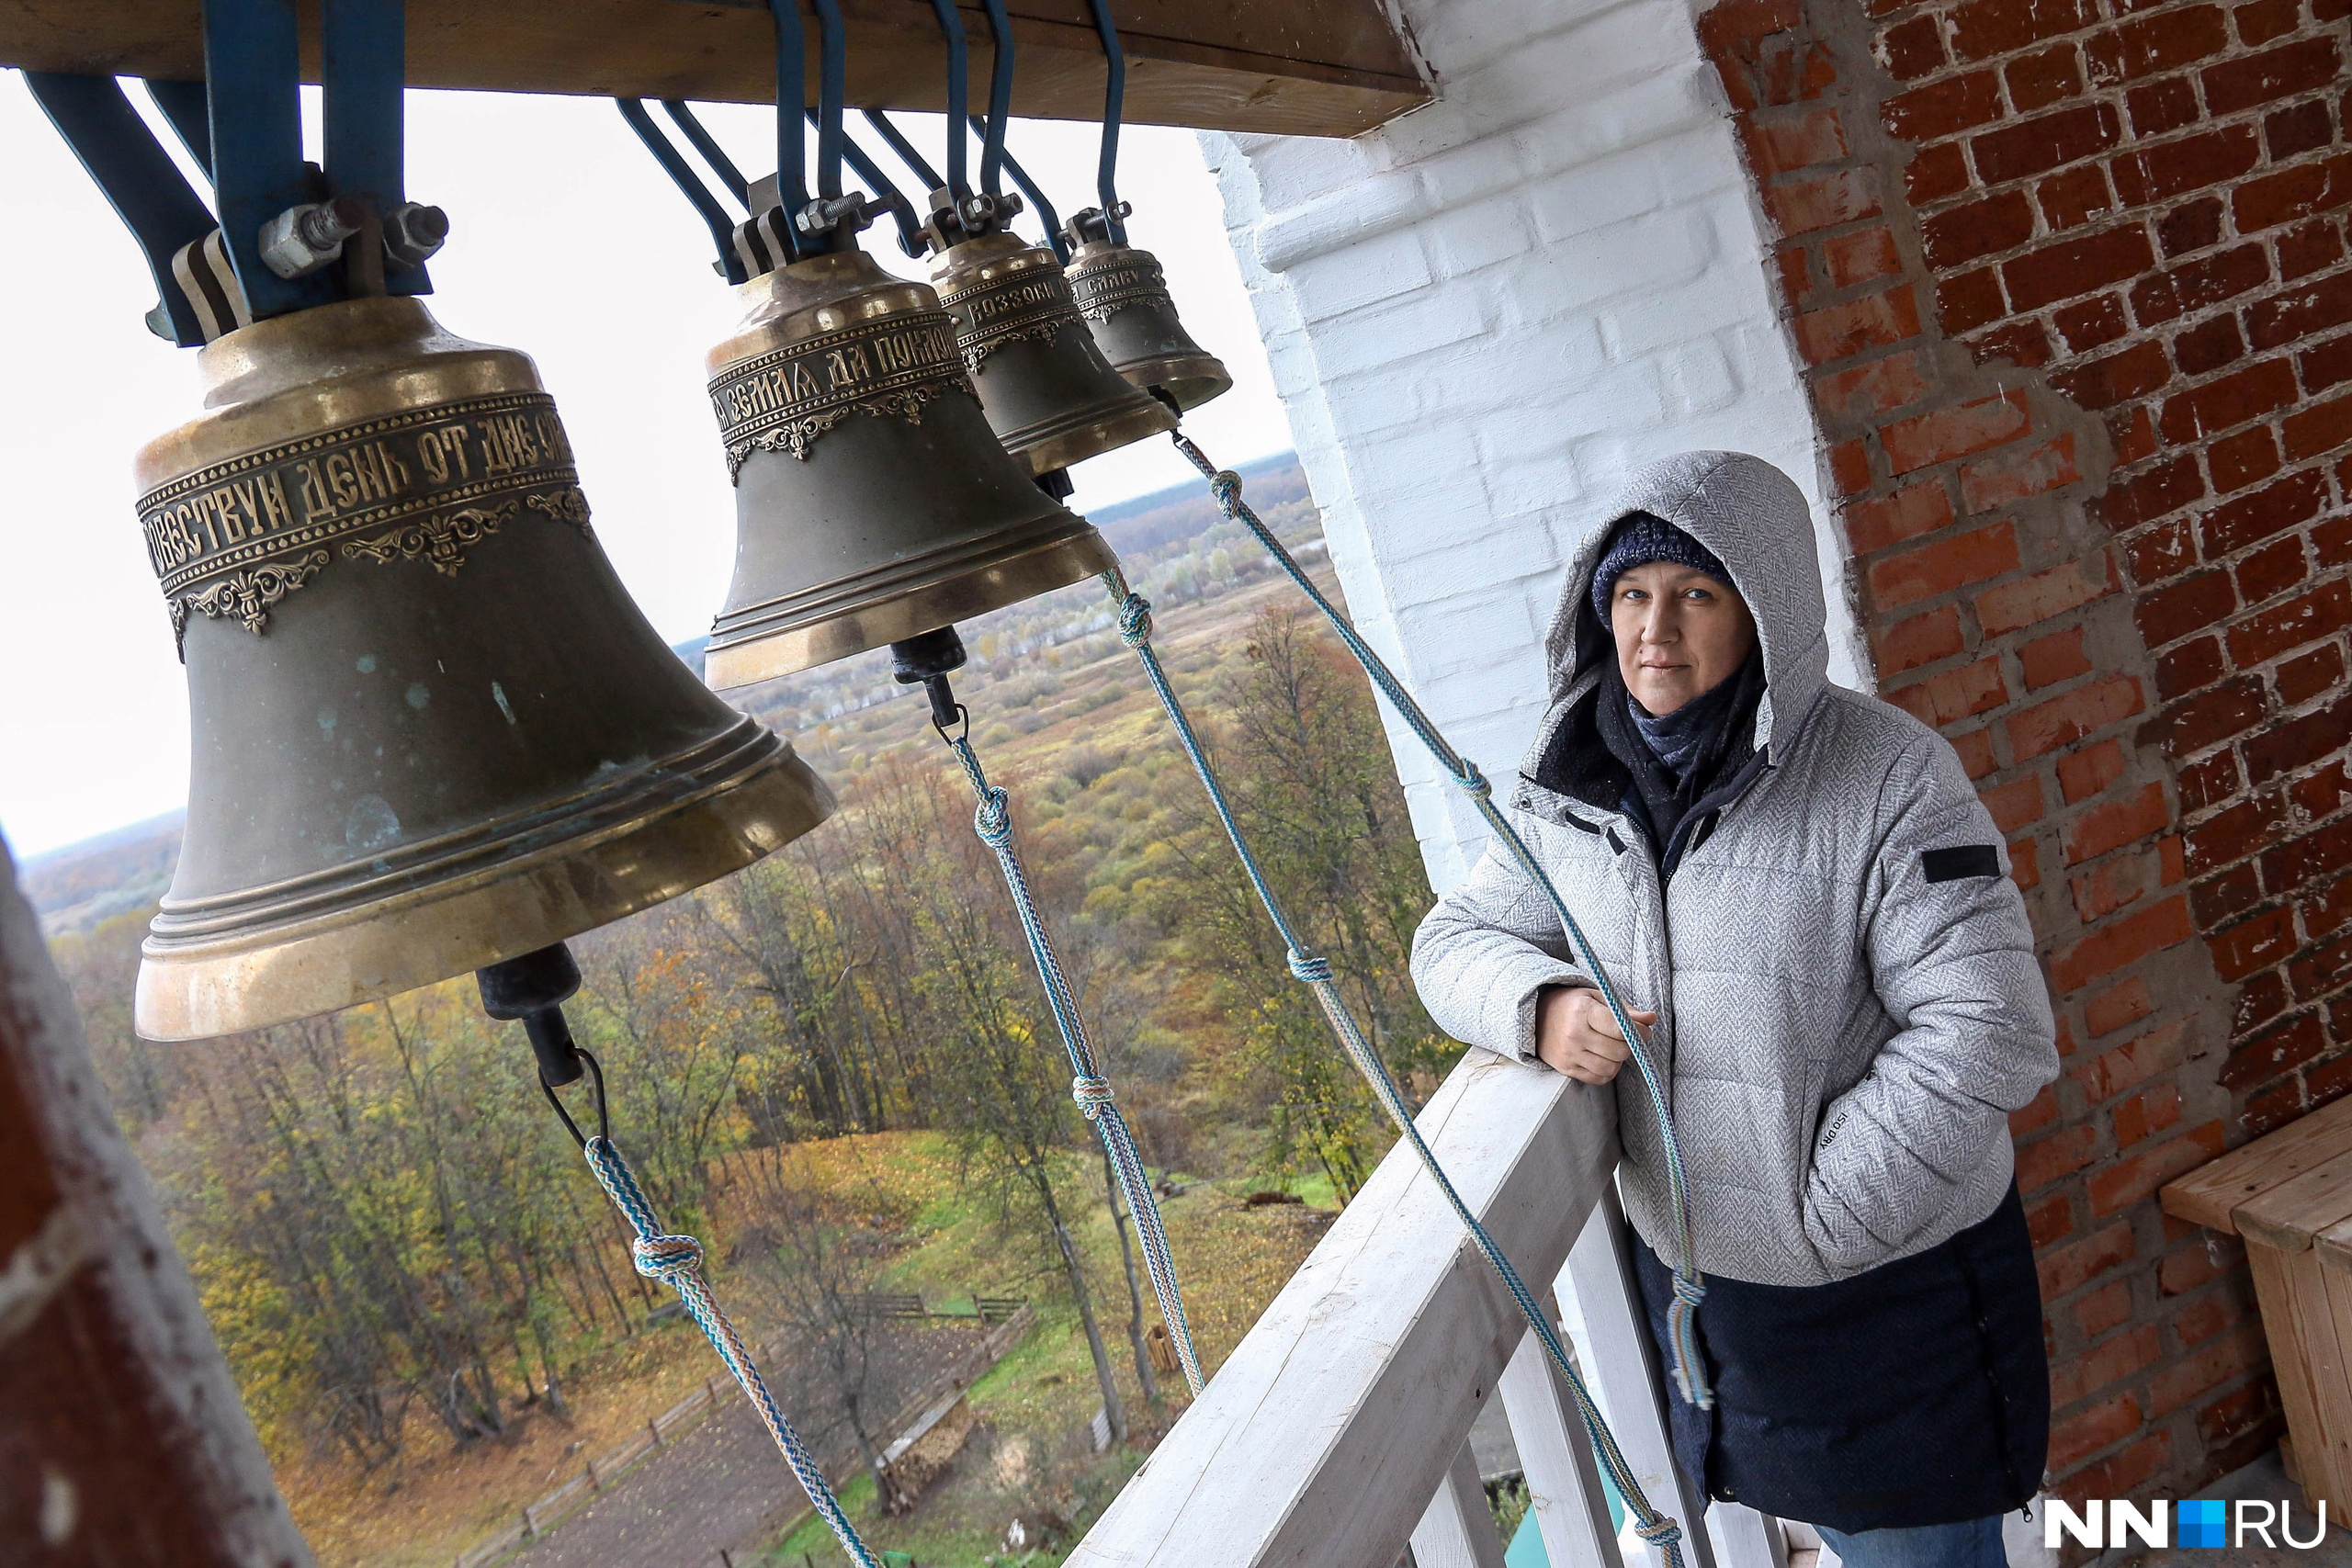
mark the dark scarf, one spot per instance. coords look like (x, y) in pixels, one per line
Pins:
(1674, 761)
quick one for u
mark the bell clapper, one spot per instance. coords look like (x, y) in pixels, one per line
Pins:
(534, 989)
(926, 658)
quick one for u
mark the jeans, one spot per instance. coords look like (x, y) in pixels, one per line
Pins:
(1974, 1543)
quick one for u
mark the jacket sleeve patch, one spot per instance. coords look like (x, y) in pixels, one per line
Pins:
(1959, 860)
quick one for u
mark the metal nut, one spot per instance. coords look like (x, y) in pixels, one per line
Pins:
(414, 233)
(300, 240)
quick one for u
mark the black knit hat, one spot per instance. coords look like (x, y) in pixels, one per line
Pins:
(1640, 539)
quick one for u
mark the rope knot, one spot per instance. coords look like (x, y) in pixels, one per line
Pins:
(1473, 782)
(992, 819)
(667, 1258)
(1227, 488)
(1661, 1532)
(1091, 1093)
(1134, 620)
(1690, 1292)
(1309, 969)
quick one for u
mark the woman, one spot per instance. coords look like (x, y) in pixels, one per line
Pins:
(1806, 910)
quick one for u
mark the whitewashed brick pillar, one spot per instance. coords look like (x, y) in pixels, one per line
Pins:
(1484, 314)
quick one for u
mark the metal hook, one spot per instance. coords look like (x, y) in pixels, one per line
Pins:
(682, 174)
(604, 1121)
(1115, 94)
(999, 98)
(791, 129)
(951, 25)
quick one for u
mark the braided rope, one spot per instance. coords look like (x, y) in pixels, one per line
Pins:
(676, 1261)
(1689, 1369)
(992, 821)
(1659, 1529)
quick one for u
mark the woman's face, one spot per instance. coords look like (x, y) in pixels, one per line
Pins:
(1679, 633)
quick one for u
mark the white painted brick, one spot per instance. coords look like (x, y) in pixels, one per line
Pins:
(1493, 231)
(1483, 315)
(1340, 281)
(1398, 334)
(1576, 201)
(1698, 379)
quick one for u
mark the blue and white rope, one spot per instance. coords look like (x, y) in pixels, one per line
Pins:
(1658, 1528)
(1690, 1285)
(676, 1261)
(992, 821)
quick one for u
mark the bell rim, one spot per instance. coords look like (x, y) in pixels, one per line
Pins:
(1051, 444)
(955, 596)
(199, 987)
(1179, 375)
(725, 753)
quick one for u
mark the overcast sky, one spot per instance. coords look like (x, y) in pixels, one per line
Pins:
(567, 243)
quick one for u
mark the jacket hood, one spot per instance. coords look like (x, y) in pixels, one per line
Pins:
(1756, 521)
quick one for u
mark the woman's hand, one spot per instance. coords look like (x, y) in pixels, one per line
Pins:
(1574, 1033)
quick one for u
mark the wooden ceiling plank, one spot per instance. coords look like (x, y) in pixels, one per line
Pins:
(1305, 67)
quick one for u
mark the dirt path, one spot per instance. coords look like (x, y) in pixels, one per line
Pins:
(712, 1488)
(718, 1485)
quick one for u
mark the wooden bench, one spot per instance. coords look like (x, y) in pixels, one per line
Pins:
(2288, 1195)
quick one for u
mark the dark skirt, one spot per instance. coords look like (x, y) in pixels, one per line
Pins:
(1916, 1393)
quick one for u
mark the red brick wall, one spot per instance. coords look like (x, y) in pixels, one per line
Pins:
(2071, 277)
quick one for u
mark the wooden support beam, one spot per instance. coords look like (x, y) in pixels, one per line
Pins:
(1296, 67)
(123, 1438)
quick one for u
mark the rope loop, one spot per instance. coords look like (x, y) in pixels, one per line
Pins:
(1689, 1291)
(1091, 1093)
(667, 1258)
(1662, 1532)
(992, 819)
(1473, 782)
(1134, 620)
(1309, 969)
(1227, 487)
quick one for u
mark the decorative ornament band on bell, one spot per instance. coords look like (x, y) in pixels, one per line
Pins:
(1122, 294)
(1051, 397)
(872, 501)
(430, 729)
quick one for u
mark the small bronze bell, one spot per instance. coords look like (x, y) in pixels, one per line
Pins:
(1124, 297)
(431, 730)
(872, 502)
(1050, 395)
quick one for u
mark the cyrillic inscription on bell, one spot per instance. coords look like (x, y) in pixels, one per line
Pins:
(1122, 294)
(430, 729)
(1051, 397)
(873, 502)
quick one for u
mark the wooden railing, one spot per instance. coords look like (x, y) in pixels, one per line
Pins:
(1336, 1434)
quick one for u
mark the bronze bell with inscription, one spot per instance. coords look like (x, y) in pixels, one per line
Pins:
(1124, 297)
(1050, 395)
(872, 501)
(431, 732)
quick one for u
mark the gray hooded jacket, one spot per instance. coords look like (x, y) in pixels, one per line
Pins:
(1847, 998)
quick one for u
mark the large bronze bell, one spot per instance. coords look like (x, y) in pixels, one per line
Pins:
(1124, 297)
(872, 503)
(431, 730)
(1050, 395)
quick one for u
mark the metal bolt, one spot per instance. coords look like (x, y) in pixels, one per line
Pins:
(822, 217)
(982, 212)
(300, 240)
(414, 232)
